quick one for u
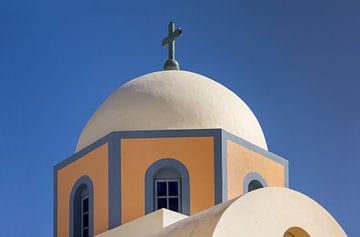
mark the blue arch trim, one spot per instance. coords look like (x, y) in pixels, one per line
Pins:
(185, 183)
(87, 181)
(250, 177)
(114, 138)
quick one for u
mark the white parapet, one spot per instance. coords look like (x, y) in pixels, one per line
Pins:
(271, 212)
(145, 225)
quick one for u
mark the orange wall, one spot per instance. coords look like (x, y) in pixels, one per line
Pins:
(94, 165)
(241, 161)
(196, 153)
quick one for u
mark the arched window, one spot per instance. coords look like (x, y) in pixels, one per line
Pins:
(253, 181)
(167, 186)
(296, 232)
(81, 208)
(254, 184)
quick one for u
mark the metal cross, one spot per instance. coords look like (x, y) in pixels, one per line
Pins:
(171, 63)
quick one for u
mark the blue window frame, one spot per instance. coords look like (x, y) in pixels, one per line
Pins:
(82, 208)
(167, 194)
(163, 170)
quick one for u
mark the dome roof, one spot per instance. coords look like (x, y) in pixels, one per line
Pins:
(172, 100)
(271, 211)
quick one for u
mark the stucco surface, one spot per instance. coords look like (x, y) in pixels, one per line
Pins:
(264, 212)
(201, 225)
(95, 166)
(173, 100)
(137, 155)
(242, 161)
(145, 225)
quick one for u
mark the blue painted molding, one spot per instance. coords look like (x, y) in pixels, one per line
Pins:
(114, 160)
(114, 156)
(83, 180)
(220, 168)
(250, 177)
(136, 134)
(185, 183)
(261, 151)
(255, 148)
(168, 134)
(114, 182)
(83, 152)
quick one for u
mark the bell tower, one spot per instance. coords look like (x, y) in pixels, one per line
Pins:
(170, 139)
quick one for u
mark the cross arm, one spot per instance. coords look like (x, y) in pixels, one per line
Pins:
(171, 37)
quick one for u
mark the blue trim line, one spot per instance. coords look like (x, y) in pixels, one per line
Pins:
(220, 177)
(114, 182)
(136, 134)
(171, 133)
(185, 183)
(83, 152)
(261, 151)
(83, 180)
(224, 170)
(114, 139)
(255, 148)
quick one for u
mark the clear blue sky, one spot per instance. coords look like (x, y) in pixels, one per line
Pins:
(295, 63)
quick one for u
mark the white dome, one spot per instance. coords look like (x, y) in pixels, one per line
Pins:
(172, 100)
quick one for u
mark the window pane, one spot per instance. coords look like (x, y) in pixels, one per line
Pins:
(85, 233)
(174, 204)
(173, 189)
(161, 188)
(254, 184)
(161, 203)
(85, 220)
(85, 205)
(85, 191)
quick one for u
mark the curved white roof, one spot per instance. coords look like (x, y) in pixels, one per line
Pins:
(173, 100)
(263, 212)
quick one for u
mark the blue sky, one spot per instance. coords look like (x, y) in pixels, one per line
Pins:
(295, 63)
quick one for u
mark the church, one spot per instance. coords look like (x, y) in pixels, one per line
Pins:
(174, 153)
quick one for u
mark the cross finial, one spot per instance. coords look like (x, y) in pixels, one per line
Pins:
(171, 63)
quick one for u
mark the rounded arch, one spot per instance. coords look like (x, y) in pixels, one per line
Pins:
(296, 232)
(283, 206)
(185, 183)
(82, 183)
(253, 181)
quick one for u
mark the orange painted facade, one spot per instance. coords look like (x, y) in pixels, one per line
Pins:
(242, 161)
(95, 165)
(196, 153)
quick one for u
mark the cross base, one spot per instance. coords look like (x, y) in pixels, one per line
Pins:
(171, 64)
